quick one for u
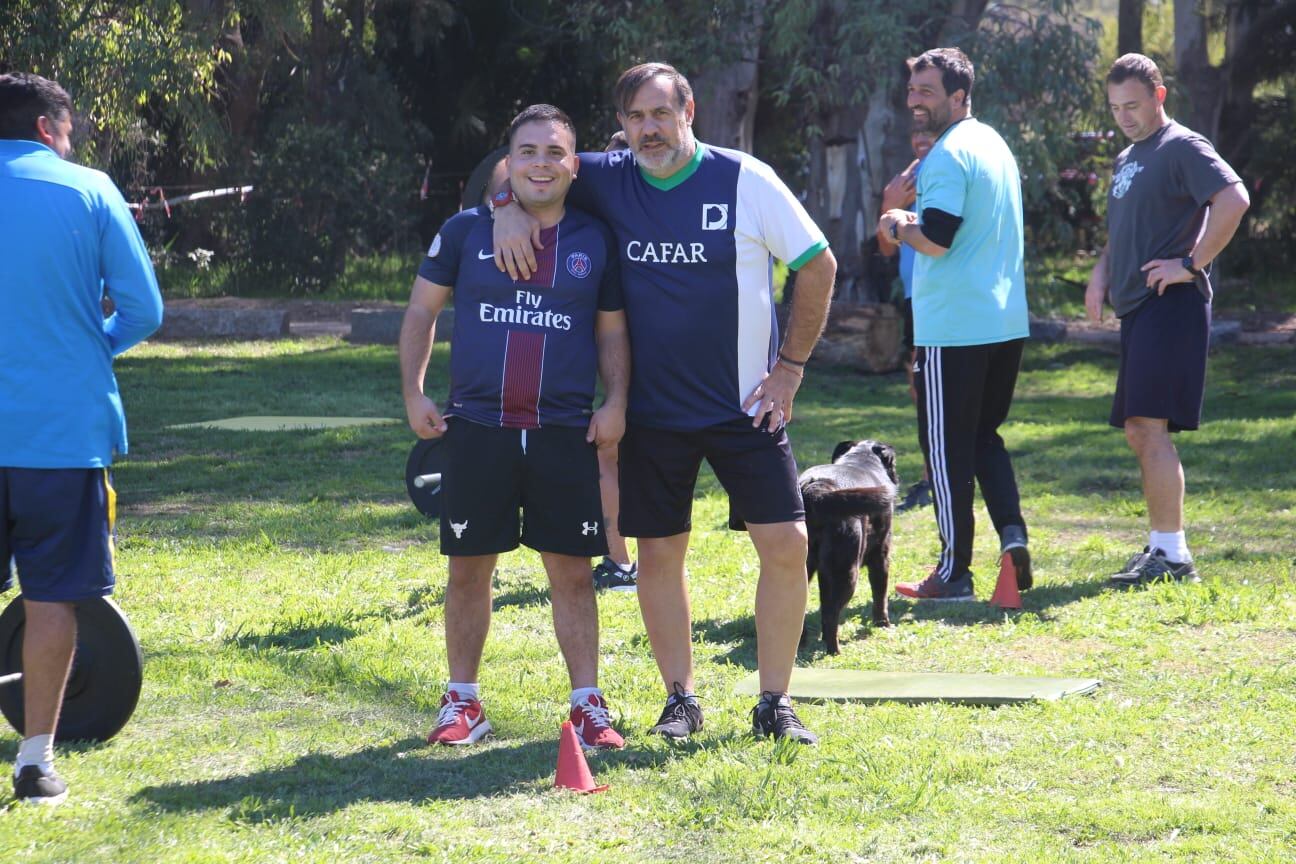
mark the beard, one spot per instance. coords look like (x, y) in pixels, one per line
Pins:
(664, 158)
(931, 121)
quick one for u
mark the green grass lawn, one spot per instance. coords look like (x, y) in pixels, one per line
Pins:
(288, 598)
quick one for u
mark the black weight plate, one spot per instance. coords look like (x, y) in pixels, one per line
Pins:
(475, 187)
(427, 457)
(107, 671)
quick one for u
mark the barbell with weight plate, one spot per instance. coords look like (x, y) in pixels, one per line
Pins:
(107, 671)
(423, 470)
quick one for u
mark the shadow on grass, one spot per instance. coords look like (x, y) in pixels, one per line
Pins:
(317, 784)
(523, 596)
(1038, 600)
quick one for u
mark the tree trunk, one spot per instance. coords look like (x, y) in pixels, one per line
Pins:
(726, 95)
(1129, 28)
(1200, 81)
(315, 81)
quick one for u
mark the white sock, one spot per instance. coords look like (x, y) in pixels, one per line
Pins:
(580, 694)
(37, 750)
(465, 691)
(1172, 543)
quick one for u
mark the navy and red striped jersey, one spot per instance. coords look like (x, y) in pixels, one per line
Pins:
(523, 353)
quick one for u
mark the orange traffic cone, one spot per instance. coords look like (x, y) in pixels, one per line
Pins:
(573, 771)
(1006, 595)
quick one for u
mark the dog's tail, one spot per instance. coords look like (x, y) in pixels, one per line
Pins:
(824, 501)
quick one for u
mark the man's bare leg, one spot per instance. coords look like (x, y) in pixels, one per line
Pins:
(780, 600)
(664, 604)
(49, 638)
(575, 616)
(467, 614)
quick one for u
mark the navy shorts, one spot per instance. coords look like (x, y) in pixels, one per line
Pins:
(659, 469)
(501, 486)
(56, 527)
(1163, 359)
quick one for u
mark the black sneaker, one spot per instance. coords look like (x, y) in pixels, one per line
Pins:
(32, 786)
(773, 715)
(609, 576)
(1151, 566)
(1013, 541)
(681, 717)
(919, 495)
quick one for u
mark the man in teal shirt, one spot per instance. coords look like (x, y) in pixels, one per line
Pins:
(970, 318)
(66, 235)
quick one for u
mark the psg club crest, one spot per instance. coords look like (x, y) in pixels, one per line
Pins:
(579, 265)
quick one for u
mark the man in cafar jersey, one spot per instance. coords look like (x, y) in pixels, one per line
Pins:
(698, 228)
(519, 428)
(1174, 205)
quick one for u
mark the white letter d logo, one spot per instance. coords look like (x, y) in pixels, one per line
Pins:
(715, 217)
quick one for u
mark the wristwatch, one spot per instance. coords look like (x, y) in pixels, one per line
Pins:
(1186, 261)
(502, 198)
(895, 232)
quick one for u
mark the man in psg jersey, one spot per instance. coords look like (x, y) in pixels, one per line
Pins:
(519, 429)
(697, 229)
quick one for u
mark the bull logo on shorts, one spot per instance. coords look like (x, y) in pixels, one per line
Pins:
(588, 528)
(579, 265)
(459, 528)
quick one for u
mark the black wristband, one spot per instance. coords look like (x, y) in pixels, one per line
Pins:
(787, 359)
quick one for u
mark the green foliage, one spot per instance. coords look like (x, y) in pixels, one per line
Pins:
(330, 192)
(142, 74)
(1036, 74)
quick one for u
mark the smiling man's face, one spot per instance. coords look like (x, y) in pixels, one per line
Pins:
(541, 162)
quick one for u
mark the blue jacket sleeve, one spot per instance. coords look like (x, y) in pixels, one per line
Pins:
(127, 273)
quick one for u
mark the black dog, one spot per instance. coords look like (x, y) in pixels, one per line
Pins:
(848, 508)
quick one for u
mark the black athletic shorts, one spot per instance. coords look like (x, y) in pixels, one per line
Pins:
(659, 469)
(56, 525)
(1162, 374)
(536, 486)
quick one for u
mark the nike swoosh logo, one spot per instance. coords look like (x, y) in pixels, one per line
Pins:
(579, 729)
(484, 255)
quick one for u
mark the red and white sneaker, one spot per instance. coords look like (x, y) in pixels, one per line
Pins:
(593, 725)
(460, 721)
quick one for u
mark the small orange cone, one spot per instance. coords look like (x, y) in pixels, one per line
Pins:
(1006, 595)
(573, 771)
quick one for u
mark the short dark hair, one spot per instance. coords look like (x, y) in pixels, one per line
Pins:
(541, 113)
(25, 97)
(637, 76)
(1129, 66)
(955, 68)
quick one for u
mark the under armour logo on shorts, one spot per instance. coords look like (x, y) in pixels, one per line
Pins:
(588, 528)
(459, 528)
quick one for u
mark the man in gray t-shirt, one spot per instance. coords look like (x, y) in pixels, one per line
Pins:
(1174, 205)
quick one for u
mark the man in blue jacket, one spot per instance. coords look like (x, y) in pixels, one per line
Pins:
(66, 235)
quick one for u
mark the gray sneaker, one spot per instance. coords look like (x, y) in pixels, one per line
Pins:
(1151, 566)
(774, 715)
(681, 717)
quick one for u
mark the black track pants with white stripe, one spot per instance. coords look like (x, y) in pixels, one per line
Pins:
(964, 394)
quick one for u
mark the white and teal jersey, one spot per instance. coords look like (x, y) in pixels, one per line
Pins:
(697, 263)
(974, 294)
